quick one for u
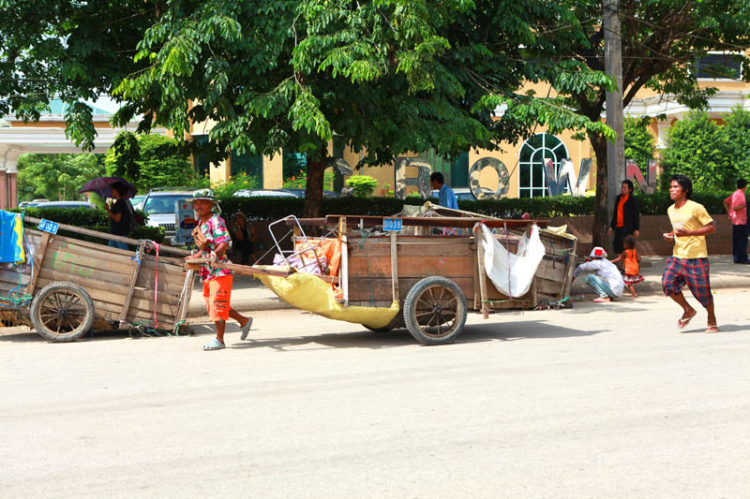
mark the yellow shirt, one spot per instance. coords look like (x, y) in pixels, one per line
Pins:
(691, 216)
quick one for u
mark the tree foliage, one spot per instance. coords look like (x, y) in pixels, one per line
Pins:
(70, 50)
(149, 161)
(639, 143)
(56, 176)
(737, 133)
(388, 76)
(661, 42)
(698, 148)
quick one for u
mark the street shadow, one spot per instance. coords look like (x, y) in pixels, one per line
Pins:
(512, 331)
(728, 328)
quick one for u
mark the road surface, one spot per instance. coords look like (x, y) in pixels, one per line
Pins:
(608, 400)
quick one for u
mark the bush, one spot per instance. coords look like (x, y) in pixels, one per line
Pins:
(363, 185)
(561, 206)
(737, 133)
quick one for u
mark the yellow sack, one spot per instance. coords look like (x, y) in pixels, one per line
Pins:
(307, 292)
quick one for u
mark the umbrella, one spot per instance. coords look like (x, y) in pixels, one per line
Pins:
(103, 187)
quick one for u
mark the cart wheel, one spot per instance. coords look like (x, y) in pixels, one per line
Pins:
(435, 311)
(62, 312)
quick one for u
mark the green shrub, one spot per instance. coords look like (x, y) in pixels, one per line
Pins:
(561, 206)
(363, 185)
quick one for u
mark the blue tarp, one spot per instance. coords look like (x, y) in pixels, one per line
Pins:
(11, 237)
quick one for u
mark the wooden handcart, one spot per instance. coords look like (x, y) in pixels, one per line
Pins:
(69, 284)
(436, 278)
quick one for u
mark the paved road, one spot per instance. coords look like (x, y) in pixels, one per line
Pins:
(608, 400)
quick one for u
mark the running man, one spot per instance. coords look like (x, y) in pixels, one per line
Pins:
(688, 264)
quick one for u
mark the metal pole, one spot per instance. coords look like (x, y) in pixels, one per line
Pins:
(613, 68)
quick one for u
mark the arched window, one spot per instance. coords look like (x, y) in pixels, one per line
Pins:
(534, 152)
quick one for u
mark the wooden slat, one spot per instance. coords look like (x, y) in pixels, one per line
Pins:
(107, 237)
(426, 266)
(434, 247)
(39, 253)
(359, 289)
(394, 268)
(131, 288)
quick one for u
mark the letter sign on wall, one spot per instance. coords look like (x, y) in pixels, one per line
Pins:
(422, 181)
(502, 174)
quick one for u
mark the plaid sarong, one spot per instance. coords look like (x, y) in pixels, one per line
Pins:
(691, 271)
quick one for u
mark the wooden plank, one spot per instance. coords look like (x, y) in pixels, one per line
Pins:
(131, 288)
(568, 283)
(394, 267)
(552, 271)
(467, 222)
(482, 278)
(426, 266)
(187, 293)
(435, 247)
(107, 237)
(359, 289)
(549, 287)
(39, 253)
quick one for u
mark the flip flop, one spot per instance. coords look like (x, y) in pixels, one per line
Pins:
(712, 329)
(213, 345)
(246, 329)
(602, 300)
(681, 323)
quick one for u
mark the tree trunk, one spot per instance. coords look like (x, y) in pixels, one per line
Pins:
(601, 216)
(314, 189)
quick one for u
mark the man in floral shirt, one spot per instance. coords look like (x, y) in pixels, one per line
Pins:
(217, 283)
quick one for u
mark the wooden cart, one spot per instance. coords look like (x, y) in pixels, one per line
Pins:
(77, 283)
(435, 278)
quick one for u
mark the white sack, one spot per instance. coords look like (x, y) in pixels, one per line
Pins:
(512, 274)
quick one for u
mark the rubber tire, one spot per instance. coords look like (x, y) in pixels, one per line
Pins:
(50, 289)
(410, 305)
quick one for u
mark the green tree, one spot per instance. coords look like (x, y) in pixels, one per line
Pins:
(639, 143)
(70, 50)
(737, 133)
(387, 76)
(661, 42)
(150, 161)
(56, 176)
(698, 148)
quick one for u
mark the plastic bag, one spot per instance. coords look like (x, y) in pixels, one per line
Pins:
(512, 273)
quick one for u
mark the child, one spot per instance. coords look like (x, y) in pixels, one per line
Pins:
(632, 268)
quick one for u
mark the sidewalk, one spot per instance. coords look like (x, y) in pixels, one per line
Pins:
(250, 294)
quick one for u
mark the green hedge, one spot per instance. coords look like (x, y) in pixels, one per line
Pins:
(560, 206)
(90, 219)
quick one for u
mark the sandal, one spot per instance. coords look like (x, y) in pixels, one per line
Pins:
(712, 328)
(246, 329)
(684, 321)
(213, 345)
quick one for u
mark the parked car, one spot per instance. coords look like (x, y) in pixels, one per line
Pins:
(268, 193)
(300, 193)
(161, 206)
(60, 204)
(137, 201)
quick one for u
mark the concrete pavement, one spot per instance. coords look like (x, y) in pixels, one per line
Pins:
(250, 294)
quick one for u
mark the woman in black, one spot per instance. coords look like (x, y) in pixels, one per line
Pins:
(626, 218)
(121, 215)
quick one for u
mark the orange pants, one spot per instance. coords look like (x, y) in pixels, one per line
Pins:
(217, 292)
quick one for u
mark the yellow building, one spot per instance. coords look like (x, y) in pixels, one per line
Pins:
(523, 162)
